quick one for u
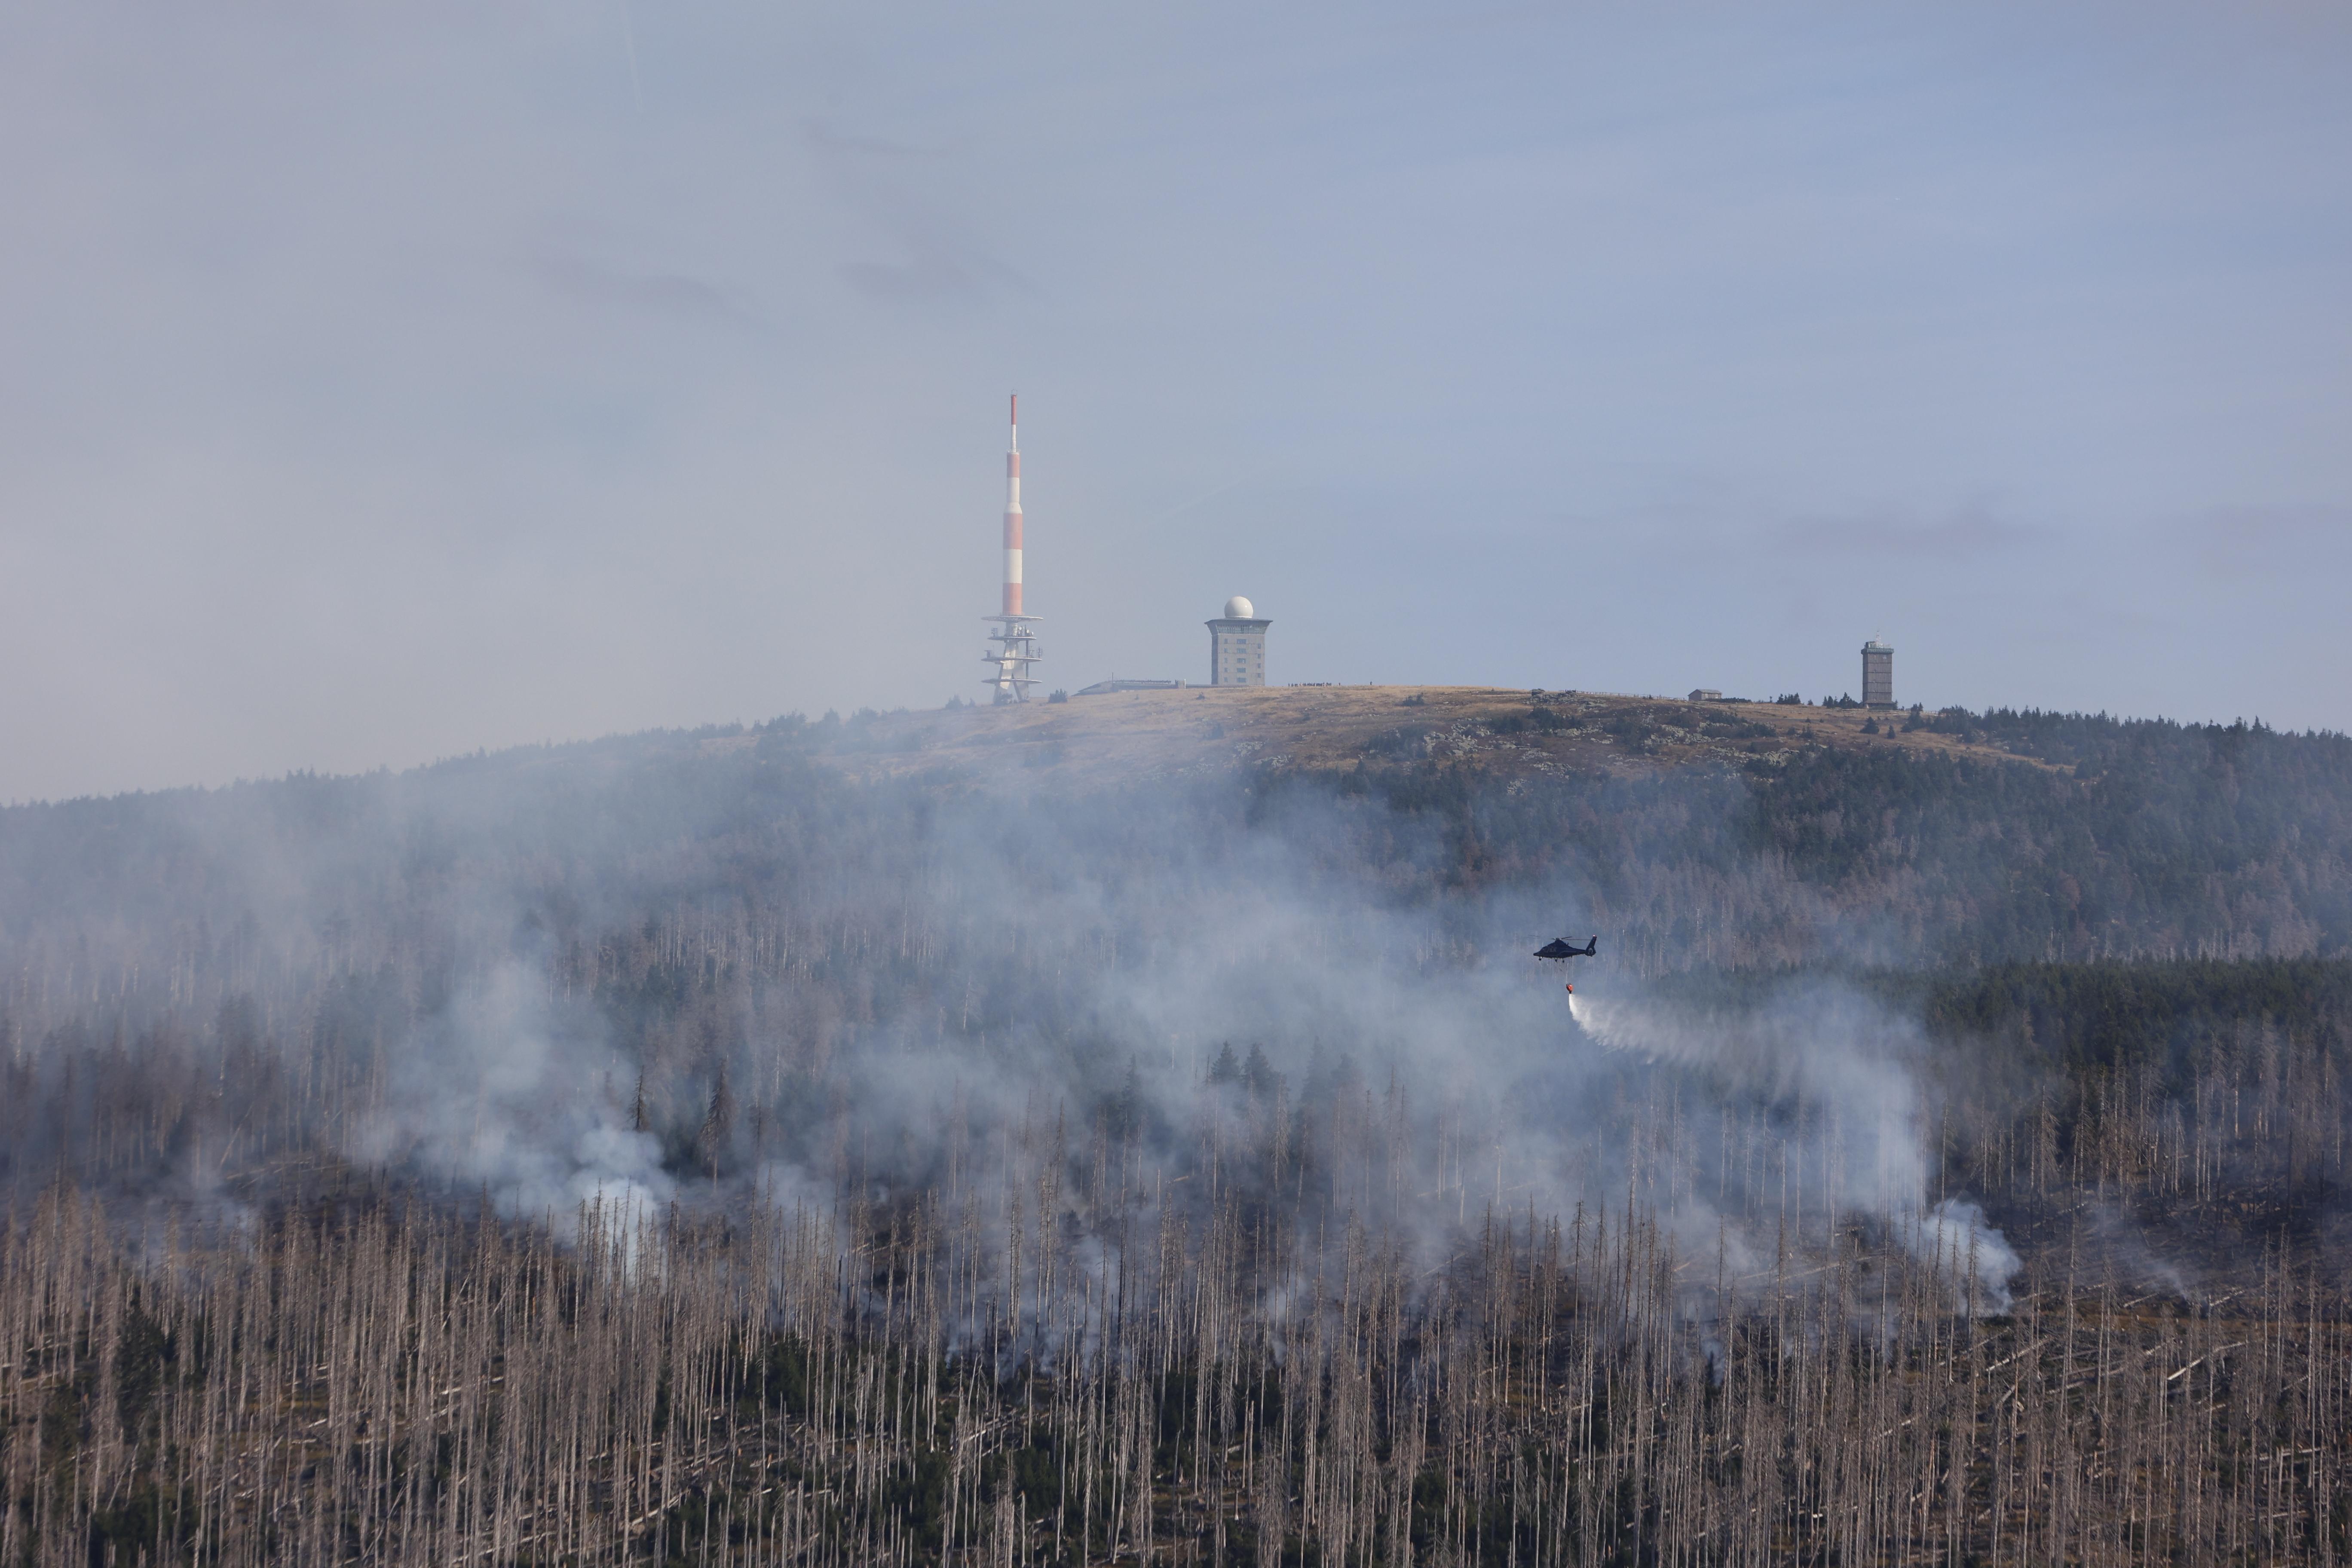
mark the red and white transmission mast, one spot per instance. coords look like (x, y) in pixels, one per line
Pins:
(1016, 648)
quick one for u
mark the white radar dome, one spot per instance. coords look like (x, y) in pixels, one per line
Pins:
(1240, 609)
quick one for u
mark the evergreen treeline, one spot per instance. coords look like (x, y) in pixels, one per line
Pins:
(2109, 839)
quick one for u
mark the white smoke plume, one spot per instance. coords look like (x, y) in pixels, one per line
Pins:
(636, 984)
(1823, 1047)
(495, 1096)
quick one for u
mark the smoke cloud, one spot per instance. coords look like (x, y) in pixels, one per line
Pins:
(503, 1095)
(590, 977)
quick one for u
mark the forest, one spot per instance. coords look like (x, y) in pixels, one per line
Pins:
(666, 1149)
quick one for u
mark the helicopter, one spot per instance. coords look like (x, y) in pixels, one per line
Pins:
(1561, 949)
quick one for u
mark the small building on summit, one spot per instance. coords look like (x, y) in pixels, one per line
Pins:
(1237, 644)
(1877, 675)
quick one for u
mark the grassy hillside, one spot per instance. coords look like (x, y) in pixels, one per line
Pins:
(1127, 737)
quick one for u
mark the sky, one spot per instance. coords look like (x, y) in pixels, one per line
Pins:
(383, 382)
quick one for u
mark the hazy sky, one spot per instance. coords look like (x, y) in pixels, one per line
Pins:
(383, 381)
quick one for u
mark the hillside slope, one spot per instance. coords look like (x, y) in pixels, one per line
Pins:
(873, 1065)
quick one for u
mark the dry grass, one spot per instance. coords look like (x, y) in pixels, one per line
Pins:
(1144, 736)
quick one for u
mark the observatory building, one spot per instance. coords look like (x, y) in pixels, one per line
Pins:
(1237, 646)
(1877, 675)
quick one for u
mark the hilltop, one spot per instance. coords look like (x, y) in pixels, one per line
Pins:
(1701, 835)
(1507, 733)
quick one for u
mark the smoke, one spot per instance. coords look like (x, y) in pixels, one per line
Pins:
(500, 1096)
(1399, 1064)
(703, 973)
(1835, 1059)
(1955, 1240)
(1846, 1064)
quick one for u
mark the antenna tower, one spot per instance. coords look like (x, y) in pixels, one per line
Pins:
(1016, 648)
